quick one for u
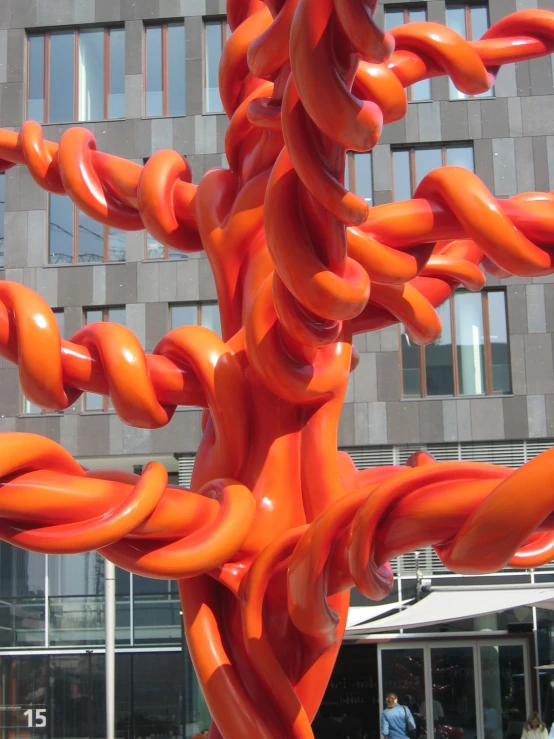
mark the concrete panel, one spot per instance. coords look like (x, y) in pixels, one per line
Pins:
(48, 426)
(135, 321)
(222, 124)
(537, 115)
(116, 434)
(116, 137)
(549, 307)
(187, 279)
(394, 133)
(523, 79)
(69, 433)
(147, 282)
(515, 417)
(15, 239)
(23, 13)
(515, 120)
(75, 286)
(183, 134)
(536, 313)
(47, 285)
(156, 324)
(487, 418)
(540, 73)
(482, 150)
(134, 44)
(500, 8)
(454, 120)
(55, 12)
(377, 423)
(170, 8)
(36, 238)
(539, 367)
(349, 394)
(388, 376)
(403, 423)
(121, 283)
(463, 417)
(194, 34)
(15, 54)
(450, 420)
(517, 309)
(517, 361)
(346, 436)
(361, 424)
(182, 434)
(134, 100)
(162, 134)
(549, 402)
(99, 284)
(135, 246)
(431, 421)
(10, 393)
(84, 11)
(475, 130)
(412, 124)
(506, 82)
(31, 196)
(494, 118)
(194, 89)
(504, 167)
(167, 285)
(429, 117)
(525, 169)
(205, 134)
(365, 379)
(143, 9)
(540, 164)
(94, 434)
(3, 55)
(536, 411)
(390, 340)
(382, 170)
(11, 112)
(73, 321)
(108, 10)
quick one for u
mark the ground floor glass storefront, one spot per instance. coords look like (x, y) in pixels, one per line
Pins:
(63, 696)
(456, 689)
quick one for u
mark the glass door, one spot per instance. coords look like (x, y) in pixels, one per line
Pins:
(466, 689)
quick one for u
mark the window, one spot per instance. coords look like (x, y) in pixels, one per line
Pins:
(2, 214)
(470, 21)
(76, 75)
(471, 357)
(358, 176)
(195, 314)
(74, 238)
(165, 69)
(409, 166)
(215, 36)
(93, 401)
(396, 17)
(28, 407)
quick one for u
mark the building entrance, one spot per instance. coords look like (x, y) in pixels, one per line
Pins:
(470, 689)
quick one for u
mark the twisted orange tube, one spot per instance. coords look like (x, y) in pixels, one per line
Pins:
(278, 525)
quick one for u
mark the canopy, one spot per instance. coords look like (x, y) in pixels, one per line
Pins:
(447, 605)
(360, 614)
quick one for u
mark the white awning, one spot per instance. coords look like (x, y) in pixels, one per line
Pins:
(442, 606)
(361, 614)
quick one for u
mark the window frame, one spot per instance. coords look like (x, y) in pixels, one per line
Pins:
(75, 257)
(3, 223)
(105, 309)
(24, 401)
(46, 67)
(467, 6)
(489, 390)
(444, 146)
(199, 305)
(222, 21)
(406, 10)
(163, 25)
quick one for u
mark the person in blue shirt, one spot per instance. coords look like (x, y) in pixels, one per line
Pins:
(396, 720)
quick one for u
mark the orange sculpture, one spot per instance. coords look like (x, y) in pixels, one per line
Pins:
(278, 525)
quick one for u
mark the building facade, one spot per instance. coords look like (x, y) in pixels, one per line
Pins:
(142, 76)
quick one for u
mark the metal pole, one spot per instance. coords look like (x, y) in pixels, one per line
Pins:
(109, 595)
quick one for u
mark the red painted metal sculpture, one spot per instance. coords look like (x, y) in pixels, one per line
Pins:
(278, 525)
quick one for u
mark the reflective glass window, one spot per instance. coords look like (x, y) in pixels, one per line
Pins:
(156, 612)
(210, 318)
(176, 69)
(471, 357)
(24, 683)
(183, 315)
(358, 175)
(91, 75)
(453, 699)
(61, 82)
(77, 696)
(35, 101)
(116, 94)
(154, 89)
(22, 604)
(426, 160)
(215, 37)
(74, 237)
(504, 704)
(76, 75)
(401, 173)
(61, 230)
(412, 164)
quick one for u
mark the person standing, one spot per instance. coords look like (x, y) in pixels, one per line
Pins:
(397, 721)
(534, 728)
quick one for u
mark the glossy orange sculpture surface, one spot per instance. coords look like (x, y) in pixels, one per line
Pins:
(279, 525)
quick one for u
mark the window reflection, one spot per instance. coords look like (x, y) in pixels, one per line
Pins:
(61, 78)
(411, 165)
(35, 103)
(165, 69)
(91, 75)
(214, 31)
(91, 239)
(22, 607)
(474, 360)
(358, 175)
(175, 69)
(470, 21)
(116, 95)
(154, 95)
